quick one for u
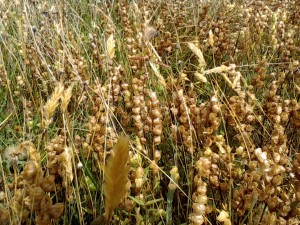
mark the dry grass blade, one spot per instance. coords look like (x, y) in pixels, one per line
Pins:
(110, 44)
(115, 177)
(66, 97)
(52, 104)
(197, 51)
(161, 79)
(297, 87)
(219, 69)
(200, 77)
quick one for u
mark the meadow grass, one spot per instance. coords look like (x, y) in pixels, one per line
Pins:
(149, 112)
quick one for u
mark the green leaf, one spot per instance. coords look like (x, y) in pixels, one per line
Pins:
(154, 201)
(137, 201)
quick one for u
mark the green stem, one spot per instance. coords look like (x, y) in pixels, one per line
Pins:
(170, 198)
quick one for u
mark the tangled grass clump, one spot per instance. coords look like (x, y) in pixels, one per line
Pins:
(206, 92)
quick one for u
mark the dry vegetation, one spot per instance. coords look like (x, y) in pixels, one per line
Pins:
(208, 95)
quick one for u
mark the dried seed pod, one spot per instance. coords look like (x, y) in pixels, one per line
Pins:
(139, 172)
(156, 113)
(199, 208)
(224, 217)
(214, 180)
(157, 130)
(172, 186)
(157, 140)
(46, 203)
(156, 122)
(43, 218)
(56, 210)
(196, 219)
(32, 204)
(136, 110)
(30, 170)
(128, 205)
(139, 182)
(277, 180)
(154, 167)
(157, 155)
(272, 203)
(48, 183)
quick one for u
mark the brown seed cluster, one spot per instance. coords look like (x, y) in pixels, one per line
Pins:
(31, 193)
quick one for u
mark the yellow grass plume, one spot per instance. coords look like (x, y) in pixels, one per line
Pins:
(115, 176)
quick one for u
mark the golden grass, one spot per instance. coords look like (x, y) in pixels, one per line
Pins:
(207, 93)
(115, 176)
